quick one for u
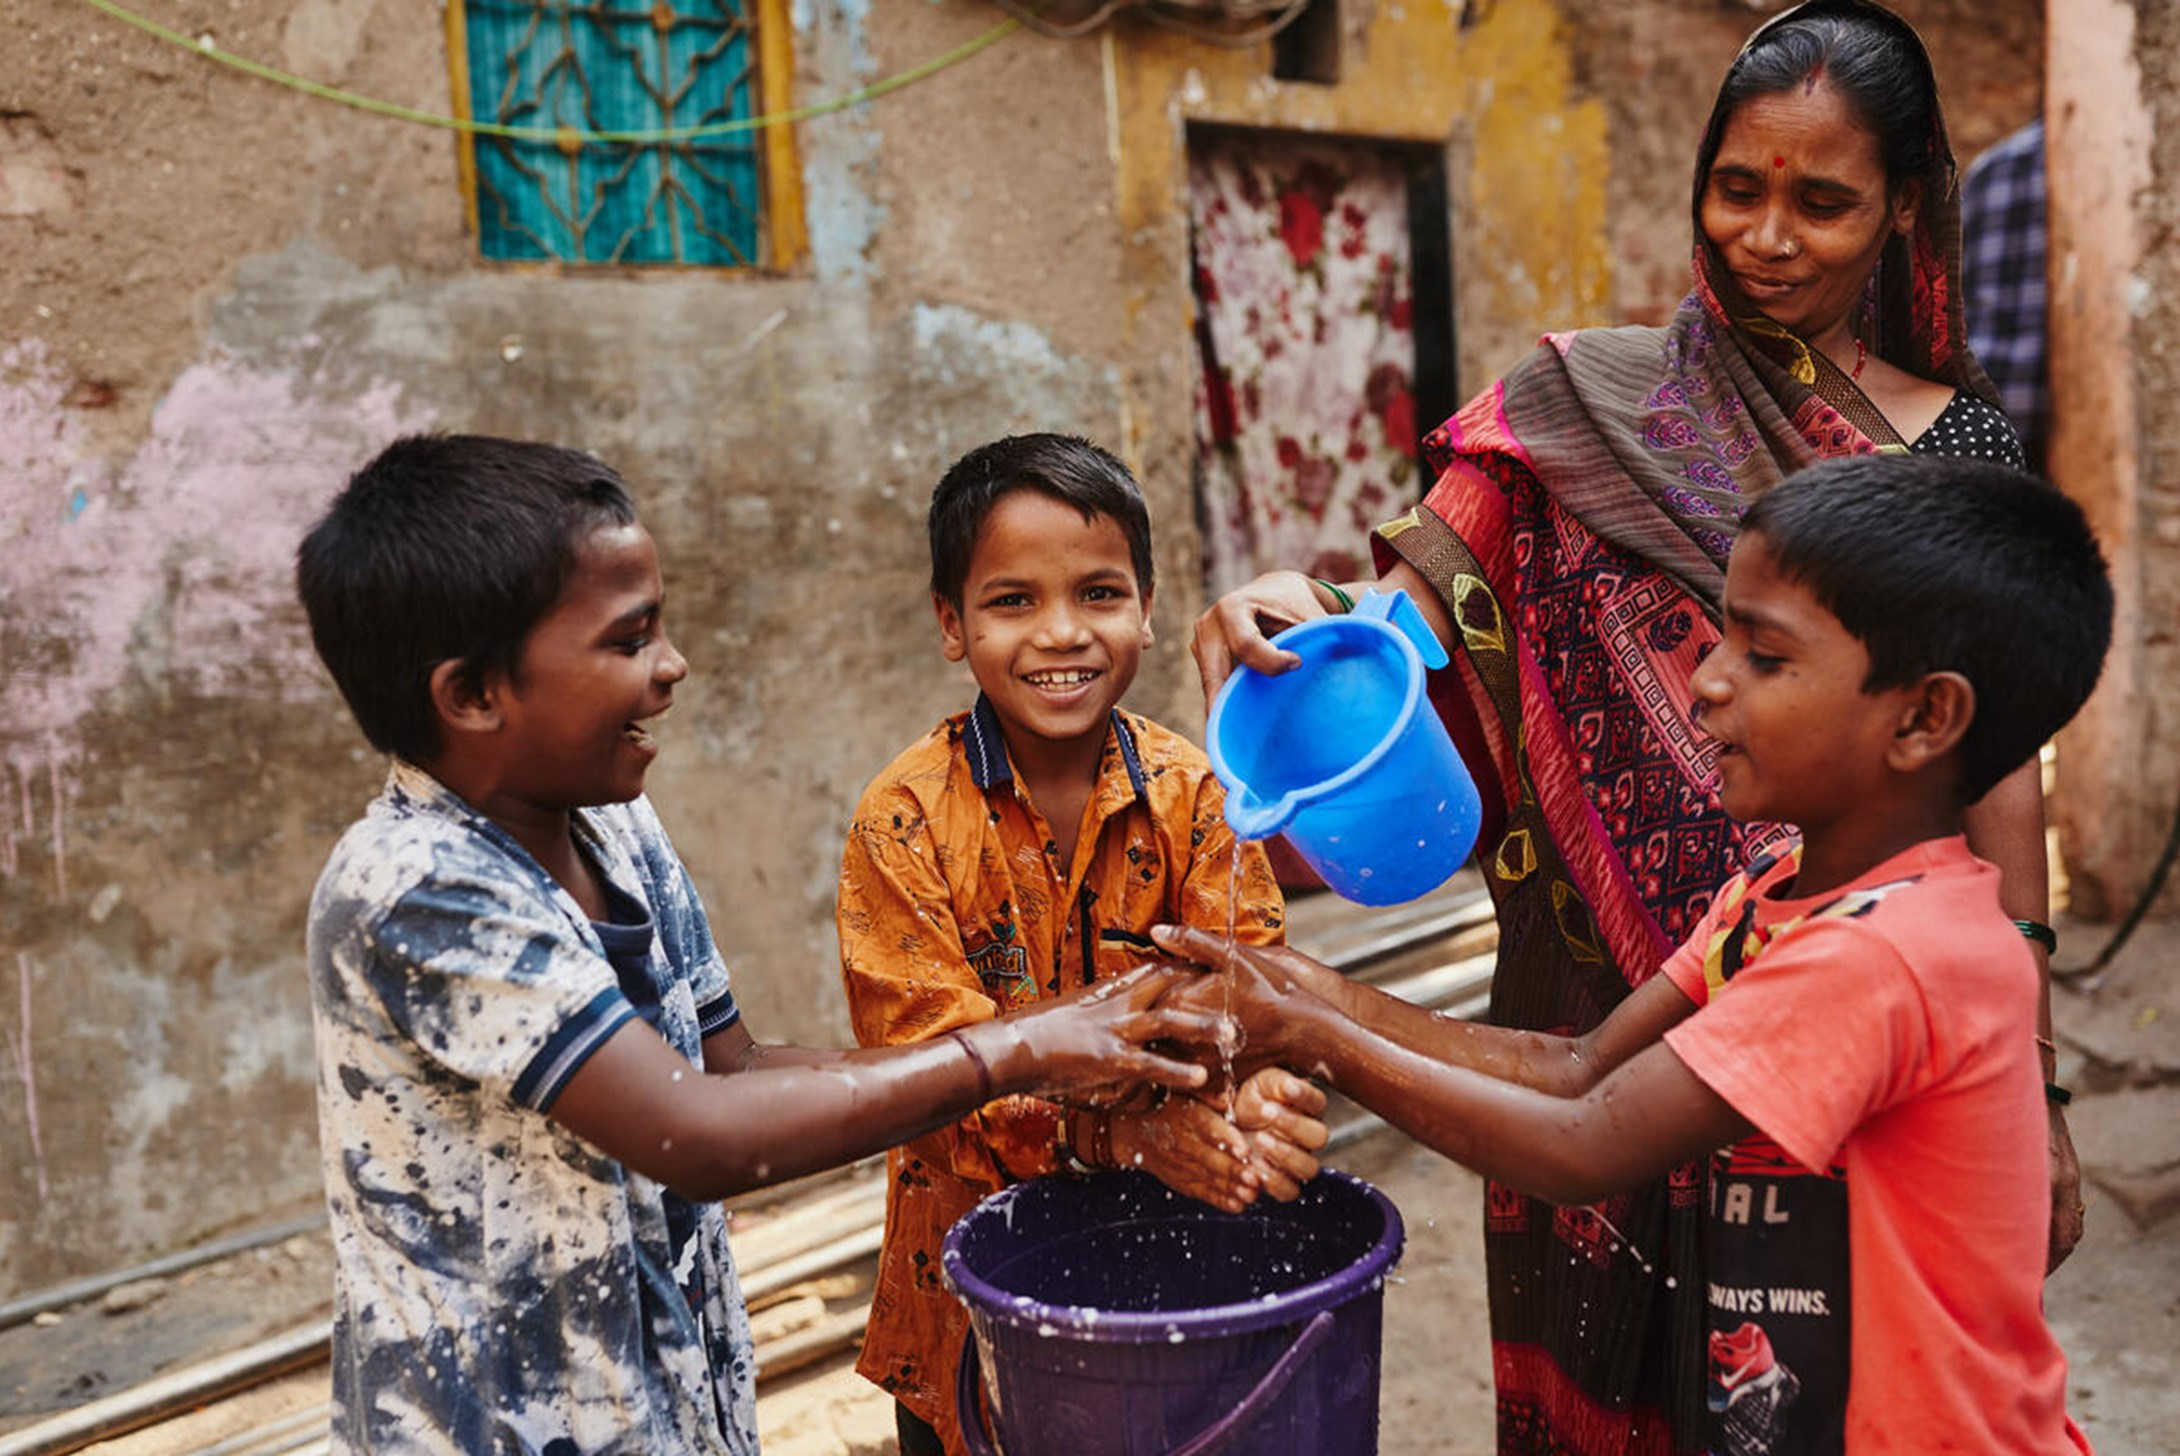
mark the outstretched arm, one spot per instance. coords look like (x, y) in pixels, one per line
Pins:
(1268, 977)
(765, 1114)
(1563, 1118)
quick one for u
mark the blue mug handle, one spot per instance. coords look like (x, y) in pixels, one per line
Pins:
(1252, 818)
(1395, 610)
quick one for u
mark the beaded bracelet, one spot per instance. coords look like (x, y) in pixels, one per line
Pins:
(1347, 603)
(2041, 933)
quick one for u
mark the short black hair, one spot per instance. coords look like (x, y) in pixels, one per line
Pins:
(1065, 467)
(444, 547)
(1940, 564)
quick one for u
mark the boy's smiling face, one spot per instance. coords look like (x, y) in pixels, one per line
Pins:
(1800, 740)
(1052, 621)
(592, 670)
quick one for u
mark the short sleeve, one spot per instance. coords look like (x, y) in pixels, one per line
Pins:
(497, 989)
(1684, 967)
(1825, 1030)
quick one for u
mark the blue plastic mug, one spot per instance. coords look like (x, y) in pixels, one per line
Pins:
(1345, 755)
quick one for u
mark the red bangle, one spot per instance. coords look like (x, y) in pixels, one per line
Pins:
(1101, 1140)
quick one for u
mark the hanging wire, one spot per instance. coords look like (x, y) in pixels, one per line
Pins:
(1213, 35)
(2092, 975)
(1171, 14)
(563, 136)
(1032, 16)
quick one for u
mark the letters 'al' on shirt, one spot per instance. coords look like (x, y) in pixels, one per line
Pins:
(954, 908)
(1875, 1249)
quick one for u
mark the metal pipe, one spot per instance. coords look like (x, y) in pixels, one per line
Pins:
(31, 1306)
(154, 1400)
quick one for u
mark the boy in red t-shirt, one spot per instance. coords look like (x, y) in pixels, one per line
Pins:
(1851, 1033)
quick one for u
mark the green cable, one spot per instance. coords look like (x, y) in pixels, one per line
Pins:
(264, 72)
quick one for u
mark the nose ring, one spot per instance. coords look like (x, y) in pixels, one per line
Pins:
(1789, 248)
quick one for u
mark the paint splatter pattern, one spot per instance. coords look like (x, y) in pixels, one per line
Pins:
(502, 1285)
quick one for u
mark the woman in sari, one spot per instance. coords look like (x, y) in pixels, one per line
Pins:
(1571, 556)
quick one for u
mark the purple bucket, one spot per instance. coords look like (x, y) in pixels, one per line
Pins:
(1112, 1316)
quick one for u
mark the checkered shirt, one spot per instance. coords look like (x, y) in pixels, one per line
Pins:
(2002, 277)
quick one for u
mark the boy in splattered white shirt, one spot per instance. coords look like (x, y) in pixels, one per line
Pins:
(533, 1078)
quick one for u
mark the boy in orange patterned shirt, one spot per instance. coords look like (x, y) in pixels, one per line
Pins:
(1026, 847)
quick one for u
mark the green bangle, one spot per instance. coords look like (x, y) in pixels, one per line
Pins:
(2041, 933)
(2059, 1096)
(1347, 603)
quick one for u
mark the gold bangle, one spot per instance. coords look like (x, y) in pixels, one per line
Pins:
(1064, 1152)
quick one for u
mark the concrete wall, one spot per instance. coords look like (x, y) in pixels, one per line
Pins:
(2114, 164)
(221, 296)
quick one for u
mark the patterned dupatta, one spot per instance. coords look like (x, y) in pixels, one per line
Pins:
(1577, 536)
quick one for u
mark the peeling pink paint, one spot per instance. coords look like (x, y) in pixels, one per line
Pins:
(172, 567)
(60, 838)
(28, 1076)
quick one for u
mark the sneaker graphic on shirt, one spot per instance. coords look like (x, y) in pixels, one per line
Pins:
(1736, 1359)
(1749, 1390)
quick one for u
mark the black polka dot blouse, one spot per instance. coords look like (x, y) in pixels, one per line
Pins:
(1972, 428)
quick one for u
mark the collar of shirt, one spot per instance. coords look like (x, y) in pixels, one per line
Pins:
(986, 745)
(414, 790)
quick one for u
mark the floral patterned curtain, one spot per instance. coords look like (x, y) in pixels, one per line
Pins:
(1305, 352)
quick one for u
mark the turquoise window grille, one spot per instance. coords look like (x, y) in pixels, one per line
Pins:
(675, 64)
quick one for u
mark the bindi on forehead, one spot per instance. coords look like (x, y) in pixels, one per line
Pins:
(1778, 161)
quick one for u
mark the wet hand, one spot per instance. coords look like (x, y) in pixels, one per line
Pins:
(1187, 1145)
(1237, 628)
(1255, 985)
(1097, 1042)
(1280, 1114)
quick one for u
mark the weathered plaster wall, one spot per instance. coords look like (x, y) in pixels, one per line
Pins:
(222, 296)
(2114, 164)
